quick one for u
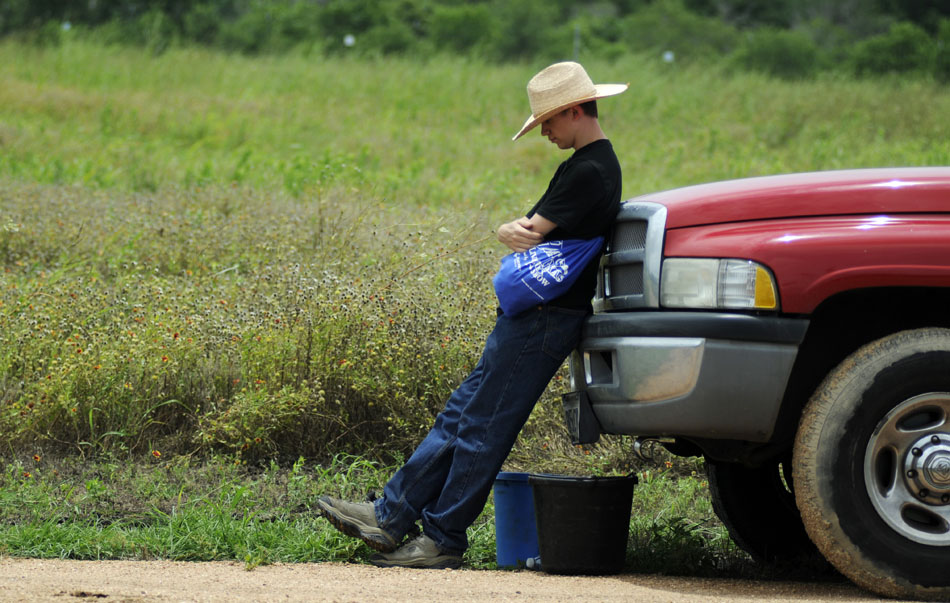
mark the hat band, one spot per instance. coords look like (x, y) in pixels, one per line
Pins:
(544, 101)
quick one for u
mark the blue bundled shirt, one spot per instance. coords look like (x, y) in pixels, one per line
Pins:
(542, 273)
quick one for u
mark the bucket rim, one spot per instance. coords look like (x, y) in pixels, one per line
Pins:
(512, 476)
(580, 480)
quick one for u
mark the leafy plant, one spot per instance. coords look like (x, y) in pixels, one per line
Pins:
(904, 48)
(784, 54)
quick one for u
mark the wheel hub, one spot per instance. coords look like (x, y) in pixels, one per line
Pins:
(927, 469)
(907, 468)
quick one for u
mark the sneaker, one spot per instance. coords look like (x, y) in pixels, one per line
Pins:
(420, 552)
(357, 520)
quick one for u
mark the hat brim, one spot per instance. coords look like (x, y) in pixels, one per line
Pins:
(601, 91)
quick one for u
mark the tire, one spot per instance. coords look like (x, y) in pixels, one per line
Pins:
(758, 508)
(872, 466)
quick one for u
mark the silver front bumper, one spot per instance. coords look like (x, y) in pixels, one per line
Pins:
(694, 386)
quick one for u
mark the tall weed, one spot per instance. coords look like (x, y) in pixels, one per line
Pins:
(235, 322)
(277, 255)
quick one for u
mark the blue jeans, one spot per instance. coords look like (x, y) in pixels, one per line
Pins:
(446, 481)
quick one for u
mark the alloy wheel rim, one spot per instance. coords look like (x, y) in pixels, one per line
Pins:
(907, 468)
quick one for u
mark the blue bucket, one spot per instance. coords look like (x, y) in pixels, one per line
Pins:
(516, 537)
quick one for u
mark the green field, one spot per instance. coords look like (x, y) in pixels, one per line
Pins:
(290, 256)
(425, 133)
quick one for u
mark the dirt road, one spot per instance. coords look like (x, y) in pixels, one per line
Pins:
(128, 581)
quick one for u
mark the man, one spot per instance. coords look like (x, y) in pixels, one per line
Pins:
(447, 480)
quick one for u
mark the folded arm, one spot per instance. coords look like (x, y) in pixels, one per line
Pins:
(524, 233)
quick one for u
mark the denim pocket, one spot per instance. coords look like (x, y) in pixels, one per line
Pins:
(562, 331)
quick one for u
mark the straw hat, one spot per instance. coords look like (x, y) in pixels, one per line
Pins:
(560, 86)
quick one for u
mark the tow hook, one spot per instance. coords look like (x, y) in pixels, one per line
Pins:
(645, 447)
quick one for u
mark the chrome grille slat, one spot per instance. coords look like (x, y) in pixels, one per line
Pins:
(630, 268)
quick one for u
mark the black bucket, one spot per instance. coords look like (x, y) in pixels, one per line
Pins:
(583, 522)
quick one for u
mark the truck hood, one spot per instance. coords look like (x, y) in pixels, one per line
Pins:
(831, 193)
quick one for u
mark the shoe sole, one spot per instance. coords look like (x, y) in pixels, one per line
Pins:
(450, 563)
(376, 542)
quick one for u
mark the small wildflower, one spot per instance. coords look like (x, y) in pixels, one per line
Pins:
(164, 358)
(669, 464)
(27, 475)
(156, 453)
(37, 458)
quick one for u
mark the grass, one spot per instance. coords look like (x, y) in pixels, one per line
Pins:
(430, 133)
(229, 256)
(212, 266)
(219, 509)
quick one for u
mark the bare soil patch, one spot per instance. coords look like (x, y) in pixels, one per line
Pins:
(130, 581)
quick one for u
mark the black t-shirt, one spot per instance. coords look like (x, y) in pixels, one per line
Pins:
(583, 199)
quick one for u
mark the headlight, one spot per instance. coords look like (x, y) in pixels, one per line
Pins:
(711, 283)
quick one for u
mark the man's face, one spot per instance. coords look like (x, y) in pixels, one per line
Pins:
(559, 129)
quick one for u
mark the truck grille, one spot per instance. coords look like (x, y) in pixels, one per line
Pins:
(629, 273)
(630, 235)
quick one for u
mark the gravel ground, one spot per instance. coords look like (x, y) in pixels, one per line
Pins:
(67, 581)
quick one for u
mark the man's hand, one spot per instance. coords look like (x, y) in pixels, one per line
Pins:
(519, 235)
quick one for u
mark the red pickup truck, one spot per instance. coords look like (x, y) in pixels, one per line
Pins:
(793, 330)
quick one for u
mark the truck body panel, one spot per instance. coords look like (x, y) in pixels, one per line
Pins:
(841, 192)
(816, 257)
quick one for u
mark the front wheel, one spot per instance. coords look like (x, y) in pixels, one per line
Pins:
(872, 466)
(757, 506)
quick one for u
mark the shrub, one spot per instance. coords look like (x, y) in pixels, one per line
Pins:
(784, 54)
(152, 30)
(155, 30)
(942, 57)
(460, 28)
(251, 32)
(48, 35)
(904, 48)
(668, 25)
(202, 23)
(395, 37)
(529, 29)
(263, 27)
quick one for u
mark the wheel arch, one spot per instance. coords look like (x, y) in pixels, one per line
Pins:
(838, 327)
